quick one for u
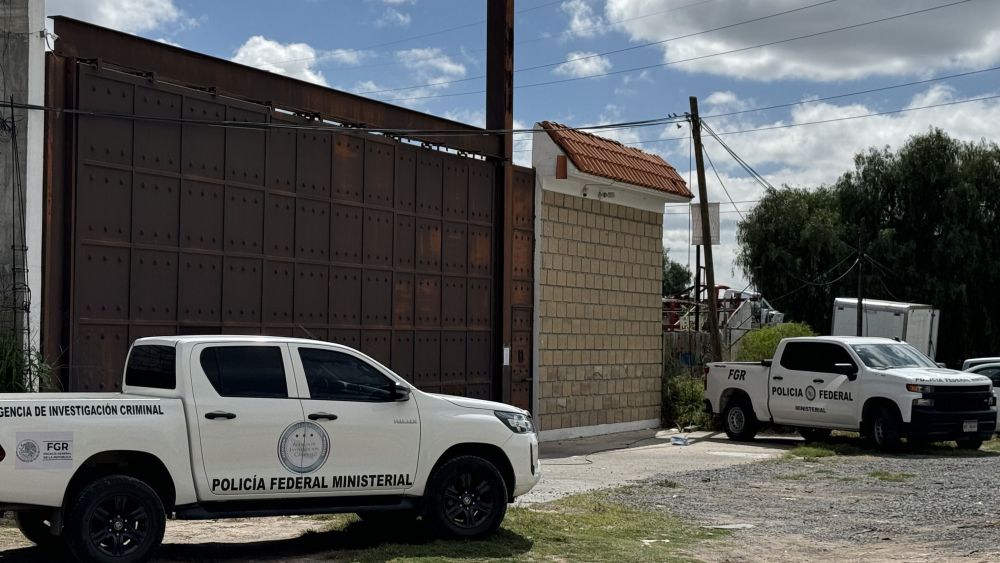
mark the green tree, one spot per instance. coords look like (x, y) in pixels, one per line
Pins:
(929, 216)
(676, 276)
(760, 344)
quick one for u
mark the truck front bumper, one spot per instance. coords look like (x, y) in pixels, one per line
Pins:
(522, 451)
(935, 425)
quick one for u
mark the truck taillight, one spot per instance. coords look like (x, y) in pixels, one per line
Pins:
(704, 379)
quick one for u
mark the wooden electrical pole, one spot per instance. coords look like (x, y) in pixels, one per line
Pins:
(861, 265)
(706, 235)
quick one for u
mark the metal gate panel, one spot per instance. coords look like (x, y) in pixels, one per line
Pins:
(402, 300)
(151, 298)
(279, 282)
(245, 148)
(105, 139)
(155, 209)
(455, 248)
(104, 204)
(281, 160)
(402, 354)
(279, 225)
(427, 360)
(241, 293)
(480, 306)
(244, 222)
(453, 302)
(346, 337)
(377, 344)
(200, 291)
(345, 296)
(201, 215)
(157, 144)
(377, 237)
(348, 167)
(311, 289)
(428, 301)
(453, 376)
(405, 242)
(479, 363)
(456, 189)
(523, 258)
(480, 250)
(428, 245)
(102, 282)
(378, 178)
(313, 163)
(429, 183)
(91, 372)
(376, 298)
(481, 193)
(312, 230)
(405, 178)
(346, 227)
(203, 151)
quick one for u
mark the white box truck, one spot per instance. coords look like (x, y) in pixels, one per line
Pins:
(912, 323)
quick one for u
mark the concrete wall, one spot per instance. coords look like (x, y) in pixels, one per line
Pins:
(599, 333)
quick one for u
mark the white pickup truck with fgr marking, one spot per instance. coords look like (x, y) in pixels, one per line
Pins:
(883, 388)
(236, 426)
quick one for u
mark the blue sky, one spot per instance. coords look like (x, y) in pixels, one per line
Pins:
(374, 45)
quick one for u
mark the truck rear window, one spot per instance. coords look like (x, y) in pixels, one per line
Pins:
(245, 371)
(152, 366)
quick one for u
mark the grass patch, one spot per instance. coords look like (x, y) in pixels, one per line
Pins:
(891, 476)
(991, 446)
(589, 527)
(824, 471)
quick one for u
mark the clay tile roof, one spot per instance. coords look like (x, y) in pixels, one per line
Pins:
(610, 159)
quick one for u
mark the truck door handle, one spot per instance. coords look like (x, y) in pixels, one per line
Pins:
(322, 416)
(817, 381)
(777, 378)
(219, 414)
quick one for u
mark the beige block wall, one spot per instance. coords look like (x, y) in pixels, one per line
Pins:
(600, 336)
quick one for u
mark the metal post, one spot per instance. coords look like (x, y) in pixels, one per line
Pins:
(706, 233)
(861, 265)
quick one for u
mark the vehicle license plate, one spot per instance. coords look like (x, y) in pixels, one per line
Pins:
(970, 426)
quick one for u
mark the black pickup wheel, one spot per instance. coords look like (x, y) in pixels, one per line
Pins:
(115, 519)
(739, 420)
(466, 498)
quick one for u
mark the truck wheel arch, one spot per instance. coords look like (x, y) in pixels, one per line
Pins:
(871, 405)
(490, 453)
(143, 466)
(733, 394)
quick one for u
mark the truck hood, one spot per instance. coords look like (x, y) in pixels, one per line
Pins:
(478, 404)
(937, 375)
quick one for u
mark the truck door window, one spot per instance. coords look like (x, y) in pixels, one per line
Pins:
(152, 366)
(820, 357)
(245, 371)
(337, 376)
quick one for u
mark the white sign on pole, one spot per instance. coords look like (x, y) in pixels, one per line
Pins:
(713, 223)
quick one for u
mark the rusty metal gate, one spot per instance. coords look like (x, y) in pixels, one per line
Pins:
(176, 227)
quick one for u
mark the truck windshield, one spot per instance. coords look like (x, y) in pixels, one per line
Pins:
(887, 356)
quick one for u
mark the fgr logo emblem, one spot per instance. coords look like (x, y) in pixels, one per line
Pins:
(810, 393)
(28, 450)
(303, 447)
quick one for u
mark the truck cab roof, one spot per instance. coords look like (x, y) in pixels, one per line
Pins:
(848, 340)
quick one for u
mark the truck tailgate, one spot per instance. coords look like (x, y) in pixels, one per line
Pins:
(750, 377)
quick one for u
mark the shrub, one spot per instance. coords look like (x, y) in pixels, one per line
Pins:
(683, 401)
(760, 344)
(21, 370)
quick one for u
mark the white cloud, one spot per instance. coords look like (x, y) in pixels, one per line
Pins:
(811, 155)
(583, 22)
(913, 45)
(291, 59)
(431, 65)
(131, 16)
(350, 57)
(579, 64)
(393, 17)
(398, 2)
(166, 41)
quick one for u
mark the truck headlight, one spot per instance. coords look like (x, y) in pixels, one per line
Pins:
(517, 422)
(916, 388)
(923, 402)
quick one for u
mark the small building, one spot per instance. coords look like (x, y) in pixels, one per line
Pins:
(598, 334)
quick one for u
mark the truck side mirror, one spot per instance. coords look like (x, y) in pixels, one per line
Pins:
(846, 369)
(400, 393)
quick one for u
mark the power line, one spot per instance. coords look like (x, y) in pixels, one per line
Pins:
(604, 53)
(746, 166)
(696, 58)
(721, 183)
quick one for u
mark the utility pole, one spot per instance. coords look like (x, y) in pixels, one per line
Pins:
(697, 288)
(861, 266)
(706, 234)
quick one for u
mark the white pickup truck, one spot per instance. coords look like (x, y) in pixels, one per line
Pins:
(235, 426)
(883, 388)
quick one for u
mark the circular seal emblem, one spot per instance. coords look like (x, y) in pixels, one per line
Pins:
(27, 450)
(810, 393)
(303, 447)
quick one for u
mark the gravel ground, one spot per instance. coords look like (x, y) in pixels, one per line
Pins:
(931, 509)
